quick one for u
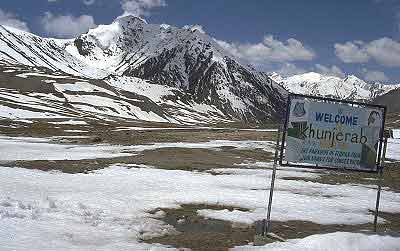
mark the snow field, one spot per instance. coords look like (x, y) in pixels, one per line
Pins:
(107, 209)
(339, 241)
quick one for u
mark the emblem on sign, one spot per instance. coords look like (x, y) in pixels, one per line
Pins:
(299, 110)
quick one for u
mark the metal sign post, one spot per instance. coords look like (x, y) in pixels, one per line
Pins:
(378, 194)
(267, 223)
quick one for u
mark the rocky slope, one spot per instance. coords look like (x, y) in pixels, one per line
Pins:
(184, 64)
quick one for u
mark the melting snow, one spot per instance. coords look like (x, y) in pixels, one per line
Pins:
(69, 122)
(9, 112)
(107, 209)
(339, 241)
(396, 133)
(393, 149)
(24, 148)
(82, 87)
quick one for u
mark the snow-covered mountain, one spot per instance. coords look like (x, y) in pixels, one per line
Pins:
(39, 93)
(178, 65)
(350, 87)
(157, 73)
(20, 47)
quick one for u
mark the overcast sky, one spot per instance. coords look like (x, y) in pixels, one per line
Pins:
(334, 37)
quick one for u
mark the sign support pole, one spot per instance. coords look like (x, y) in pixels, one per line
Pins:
(378, 195)
(267, 223)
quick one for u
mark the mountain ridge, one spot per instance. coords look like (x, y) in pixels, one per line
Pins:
(182, 58)
(349, 88)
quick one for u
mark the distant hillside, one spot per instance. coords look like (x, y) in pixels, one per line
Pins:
(349, 88)
(391, 100)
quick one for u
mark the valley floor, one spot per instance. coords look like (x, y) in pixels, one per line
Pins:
(69, 184)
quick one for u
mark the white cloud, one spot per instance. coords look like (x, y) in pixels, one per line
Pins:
(140, 7)
(330, 71)
(10, 19)
(67, 26)
(269, 50)
(352, 52)
(384, 51)
(375, 76)
(289, 69)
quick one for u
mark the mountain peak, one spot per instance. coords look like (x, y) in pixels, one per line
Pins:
(312, 75)
(130, 18)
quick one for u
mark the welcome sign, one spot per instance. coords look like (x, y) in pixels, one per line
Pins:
(333, 134)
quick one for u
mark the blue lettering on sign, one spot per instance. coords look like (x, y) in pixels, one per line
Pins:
(318, 116)
(336, 118)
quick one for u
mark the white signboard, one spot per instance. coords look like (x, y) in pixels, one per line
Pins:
(333, 135)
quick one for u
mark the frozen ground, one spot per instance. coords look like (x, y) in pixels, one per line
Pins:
(338, 241)
(393, 149)
(134, 128)
(25, 148)
(396, 133)
(109, 209)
